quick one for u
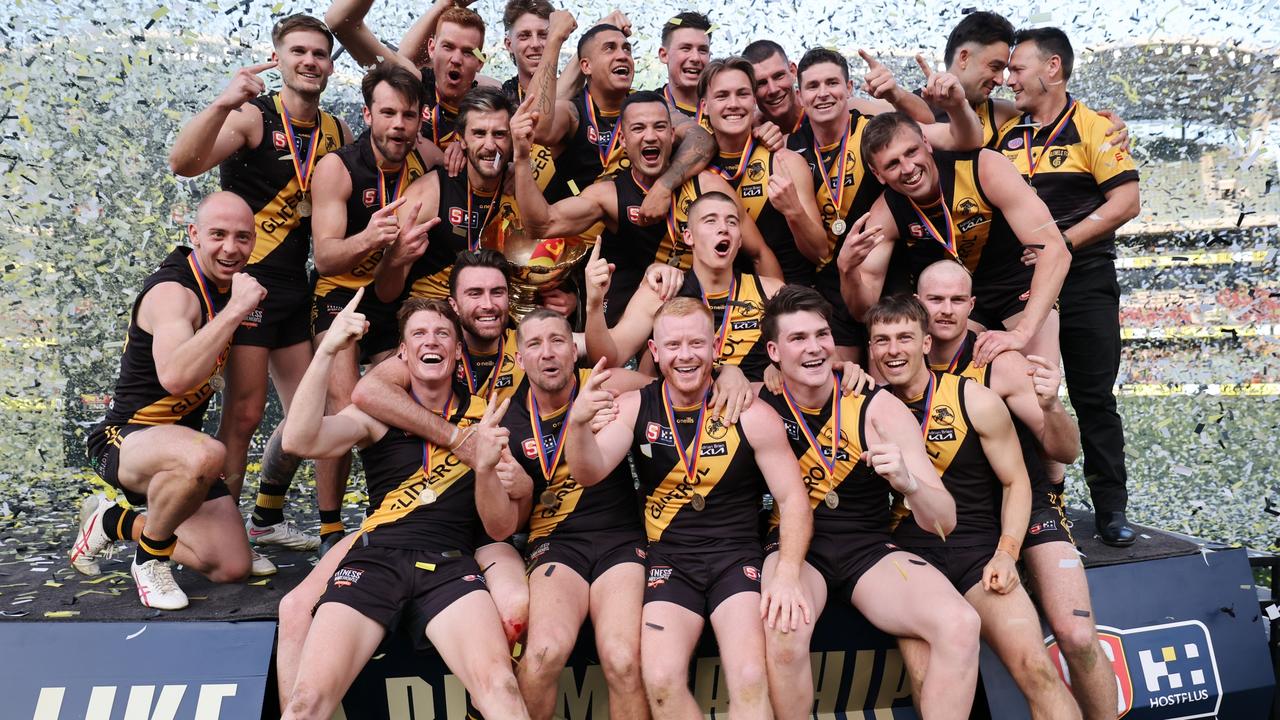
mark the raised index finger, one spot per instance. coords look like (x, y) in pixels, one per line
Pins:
(595, 250)
(355, 301)
(262, 67)
(925, 67)
(868, 58)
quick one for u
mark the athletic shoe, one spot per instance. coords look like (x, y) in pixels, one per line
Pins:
(284, 534)
(156, 586)
(91, 539)
(262, 565)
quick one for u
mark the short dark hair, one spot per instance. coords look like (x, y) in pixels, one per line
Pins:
(640, 98)
(413, 305)
(792, 299)
(400, 79)
(981, 27)
(713, 196)
(485, 258)
(881, 129)
(685, 20)
(820, 55)
(482, 98)
(540, 313)
(299, 21)
(719, 65)
(897, 308)
(593, 31)
(517, 9)
(762, 50)
(1049, 41)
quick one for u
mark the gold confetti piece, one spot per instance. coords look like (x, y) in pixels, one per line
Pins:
(108, 576)
(938, 526)
(675, 21)
(109, 593)
(479, 55)
(573, 187)
(260, 583)
(430, 567)
(61, 613)
(159, 13)
(901, 572)
(50, 583)
(277, 8)
(379, 656)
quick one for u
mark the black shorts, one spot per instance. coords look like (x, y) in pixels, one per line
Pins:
(997, 302)
(392, 586)
(842, 559)
(280, 320)
(962, 565)
(1049, 521)
(383, 333)
(104, 443)
(700, 579)
(590, 555)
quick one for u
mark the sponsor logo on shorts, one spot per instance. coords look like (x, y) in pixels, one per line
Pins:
(472, 577)
(942, 435)
(253, 319)
(346, 577)
(658, 575)
(640, 553)
(539, 551)
(752, 572)
(1040, 527)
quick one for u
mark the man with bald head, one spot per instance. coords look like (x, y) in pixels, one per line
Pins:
(149, 446)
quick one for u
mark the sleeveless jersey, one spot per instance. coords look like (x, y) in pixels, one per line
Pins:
(464, 217)
(498, 372)
(371, 189)
(266, 178)
(726, 478)
(596, 138)
(983, 241)
(139, 398)
(633, 248)
(986, 112)
(738, 335)
(956, 451)
(676, 106)
(861, 496)
(438, 117)
(609, 505)
(752, 184)
(421, 496)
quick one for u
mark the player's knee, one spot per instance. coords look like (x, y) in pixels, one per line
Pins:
(203, 461)
(663, 681)
(229, 567)
(788, 650)
(549, 651)
(495, 683)
(307, 702)
(959, 627)
(243, 416)
(749, 681)
(620, 662)
(295, 611)
(1078, 641)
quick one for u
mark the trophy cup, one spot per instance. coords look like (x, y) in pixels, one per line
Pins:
(536, 264)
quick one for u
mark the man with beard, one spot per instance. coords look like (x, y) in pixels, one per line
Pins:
(413, 563)
(685, 51)
(854, 450)
(1029, 387)
(701, 479)
(968, 206)
(1092, 190)
(974, 448)
(149, 445)
(647, 134)
(586, 544)
(357, 192)
(829, 139)
(246, 133)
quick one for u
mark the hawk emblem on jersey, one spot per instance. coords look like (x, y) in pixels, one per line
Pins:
(748, 308)
(716, 428)
(279, 140)
(370, 197)
(968, 206)
(755, 170)
(633, 214)
(943, 415)
(508, 364)
(1057, 156)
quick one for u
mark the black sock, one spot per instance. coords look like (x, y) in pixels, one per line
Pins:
(330, 523)
(152, 549)
(269, 508)
(117, 522)
(278, 468)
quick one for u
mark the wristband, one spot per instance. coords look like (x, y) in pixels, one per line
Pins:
(1009, 546)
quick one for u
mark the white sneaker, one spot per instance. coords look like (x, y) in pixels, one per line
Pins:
(90, 539)
(284, 534)
(261, 564)
(156, 586)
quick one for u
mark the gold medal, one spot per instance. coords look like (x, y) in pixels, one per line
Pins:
(698, 502)
(832, 500)
(304, 208)
(427, 497)
(217, 382)
(838, 226)
(549, 499)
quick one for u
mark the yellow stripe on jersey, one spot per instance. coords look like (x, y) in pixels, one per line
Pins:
(280, 215)
(855, 173)
(544, 520)
(676, 490)
(848, 453)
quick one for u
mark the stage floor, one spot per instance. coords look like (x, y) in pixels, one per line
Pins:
(37, 583)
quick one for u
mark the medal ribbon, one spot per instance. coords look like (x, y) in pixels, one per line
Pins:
(427, 447)
(723, 332)
(399, 185)
(948, 242)
(473, 243)
(493, 376)
(202, 284)
(955, 359)
(690, 465)
(836, 185)
(437, 117)
(535, 418)
(671, 100)
(742, 164)
(808, 433)
(928, 405)
(594, 124)
(303, 163)
(1044, 150)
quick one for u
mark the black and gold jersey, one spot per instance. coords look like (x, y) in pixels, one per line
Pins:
(595, 149)
(846, 495)
(738, 314)
(139, 398)
(632, 248)
(963, 225)
(560, 504)
(749, 176)
(677, 106)
(421, 496)
(714, 504)
(1071, 165)
(267, 178)
(371, 189)
(465, 215)
(496, 372)
(986, 112)
(438, 116)
(861, 189)
(956, 451)
(962, 362)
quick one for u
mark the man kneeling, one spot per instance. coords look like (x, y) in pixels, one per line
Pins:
(412, 558)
